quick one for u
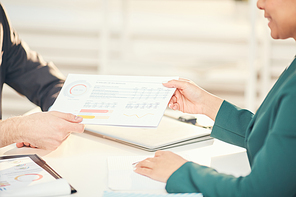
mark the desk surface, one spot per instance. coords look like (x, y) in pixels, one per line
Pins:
(82, 159)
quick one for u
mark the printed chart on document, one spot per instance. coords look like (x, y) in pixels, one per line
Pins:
(115, 100)
(21, 172)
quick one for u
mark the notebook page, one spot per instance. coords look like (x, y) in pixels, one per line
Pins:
(122, 177)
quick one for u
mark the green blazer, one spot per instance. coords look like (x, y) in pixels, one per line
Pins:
(269, 137)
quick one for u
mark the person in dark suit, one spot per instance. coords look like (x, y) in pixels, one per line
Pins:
(269, 135)
(26, 72)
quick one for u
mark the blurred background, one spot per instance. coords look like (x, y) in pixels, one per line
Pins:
(222, 45)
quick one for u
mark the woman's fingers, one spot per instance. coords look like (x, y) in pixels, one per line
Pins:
(175, 84)
(147, 163)
(143, 171)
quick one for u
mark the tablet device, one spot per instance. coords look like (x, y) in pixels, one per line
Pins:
(170, 133)
(29, 175)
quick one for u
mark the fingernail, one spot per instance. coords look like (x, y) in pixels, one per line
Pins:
(78, 118)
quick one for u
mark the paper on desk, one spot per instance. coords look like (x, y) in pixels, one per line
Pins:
(115, 100)
(122, 177)
(23, 177)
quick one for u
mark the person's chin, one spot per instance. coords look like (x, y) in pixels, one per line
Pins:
(274, 34)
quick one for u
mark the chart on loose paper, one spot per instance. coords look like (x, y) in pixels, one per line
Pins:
(115, 100)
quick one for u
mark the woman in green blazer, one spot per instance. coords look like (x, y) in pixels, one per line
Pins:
(269, 136)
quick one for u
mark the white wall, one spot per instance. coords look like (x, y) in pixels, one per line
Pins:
(206, 41)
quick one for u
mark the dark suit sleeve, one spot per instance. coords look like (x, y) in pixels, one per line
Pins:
(26, 71)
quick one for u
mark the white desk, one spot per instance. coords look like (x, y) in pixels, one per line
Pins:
(82, 159)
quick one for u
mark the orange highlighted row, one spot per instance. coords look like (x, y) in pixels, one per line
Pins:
(95, 111)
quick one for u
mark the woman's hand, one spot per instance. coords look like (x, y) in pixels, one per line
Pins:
(161, 166)
(190, 98)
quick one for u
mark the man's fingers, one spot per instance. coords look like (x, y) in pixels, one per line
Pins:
(76, 128)
(20, 144)
(26, 143)
(32, 146)
(66, 136)
(67, 116)
(71, 125)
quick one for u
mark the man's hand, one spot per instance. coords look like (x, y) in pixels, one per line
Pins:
(24, 144)
(44, 130)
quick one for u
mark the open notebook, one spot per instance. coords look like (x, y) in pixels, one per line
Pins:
(170, 133)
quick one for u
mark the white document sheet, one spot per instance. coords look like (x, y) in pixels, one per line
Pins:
(121, 176)
(115, 100)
